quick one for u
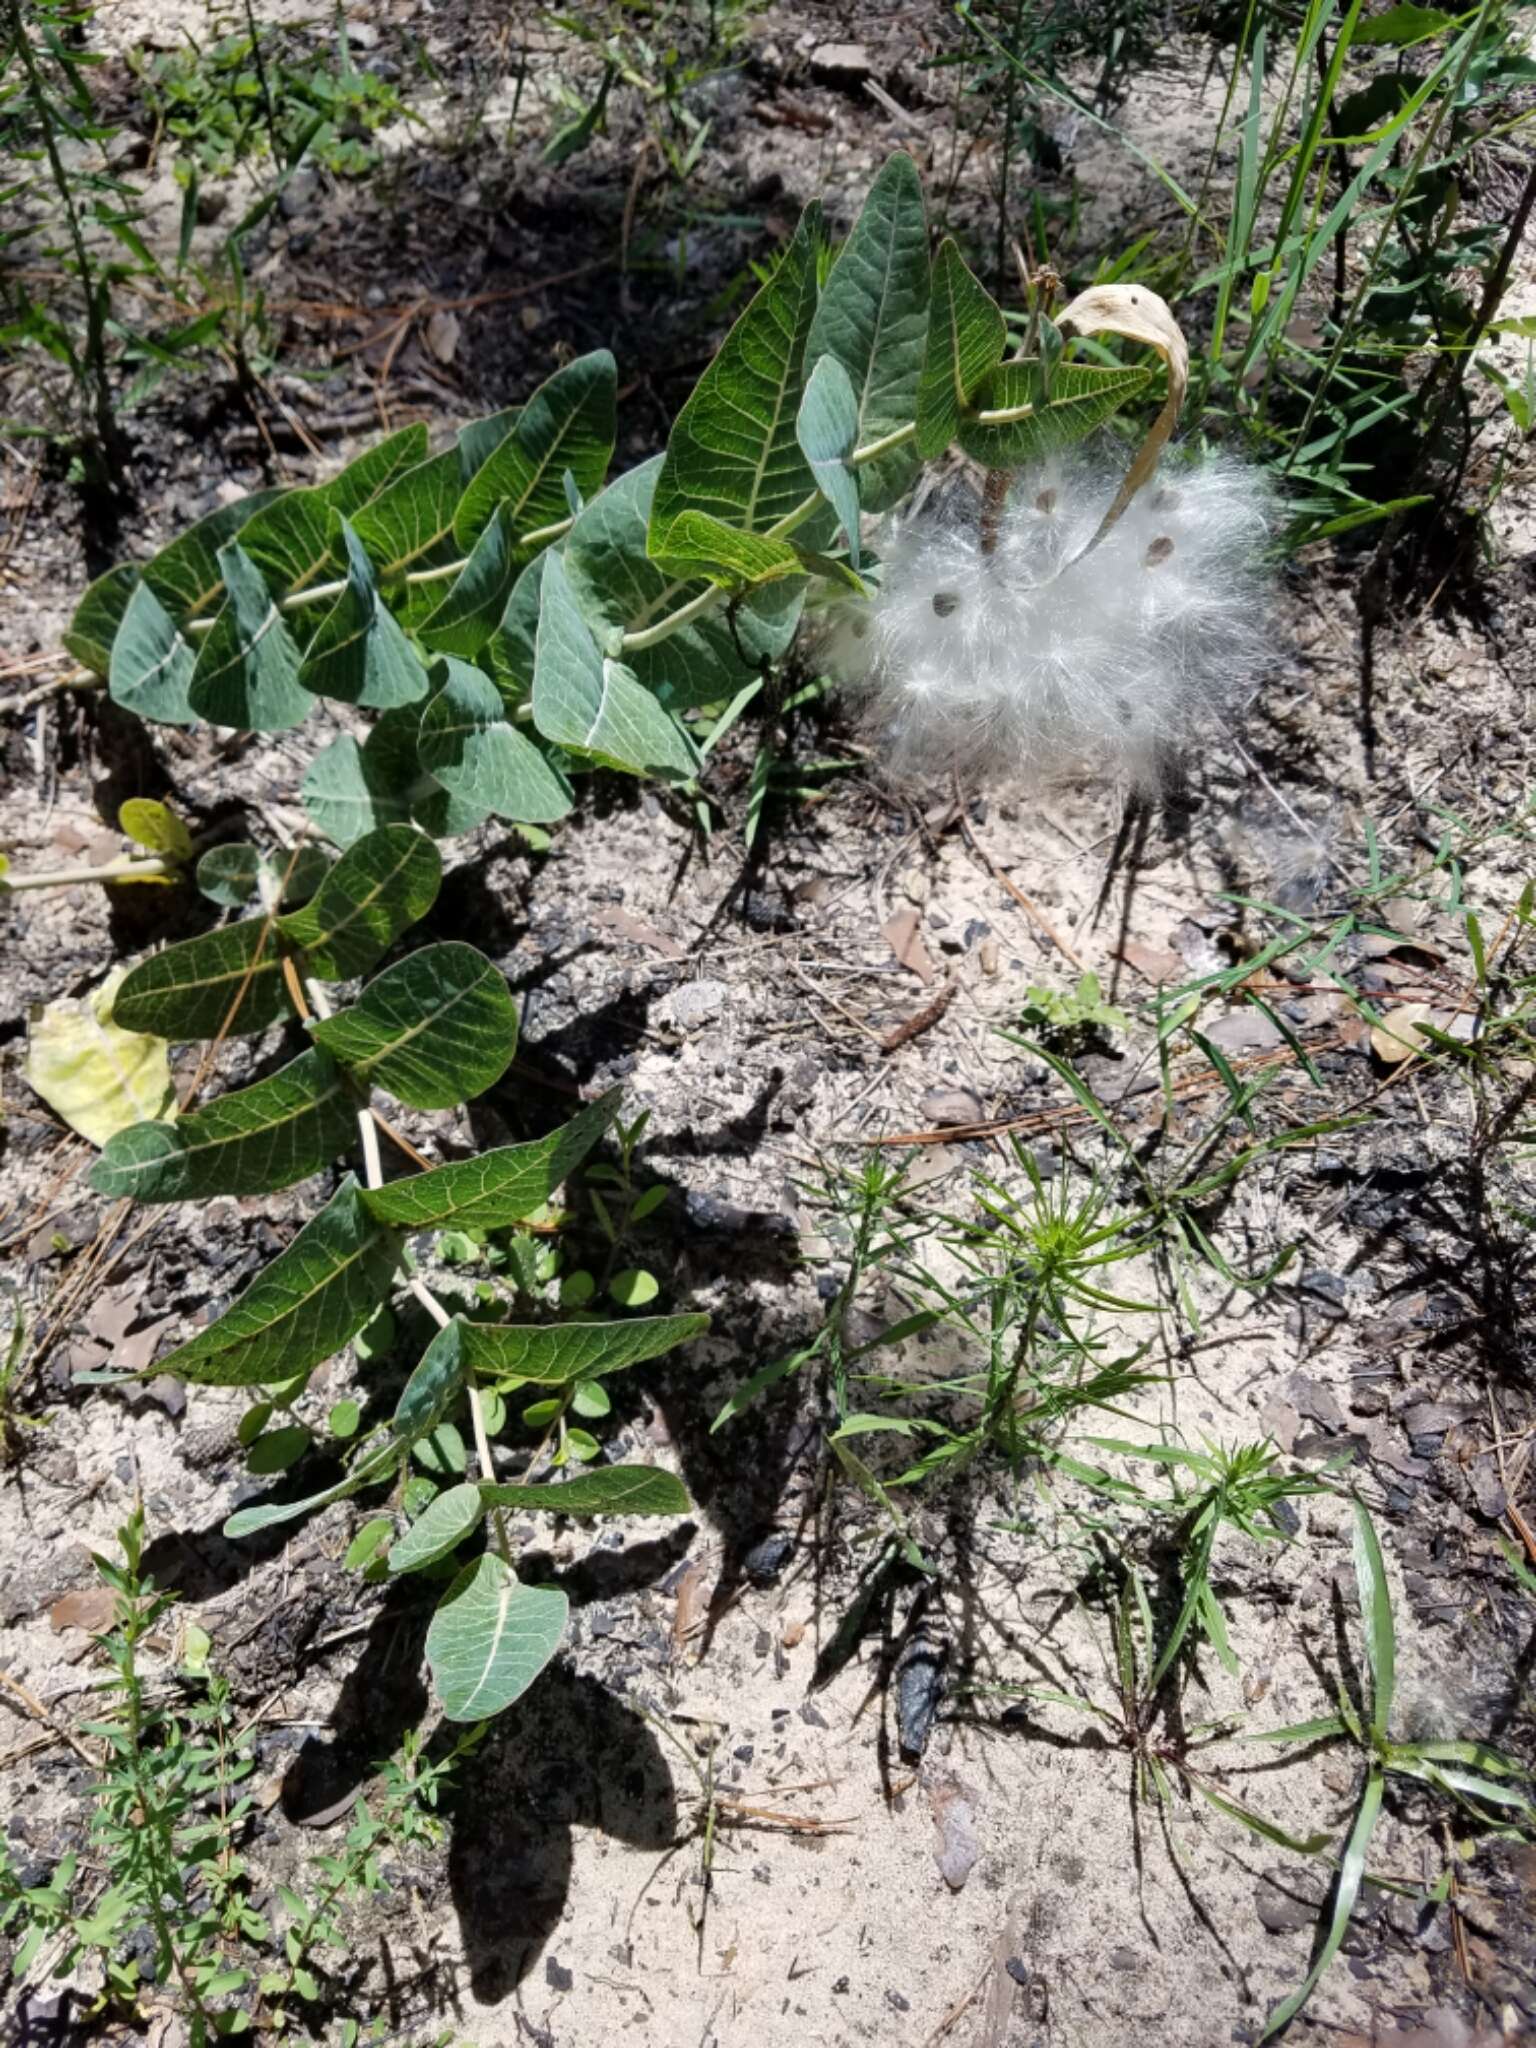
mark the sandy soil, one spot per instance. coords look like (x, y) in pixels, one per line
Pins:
(1007, 1889)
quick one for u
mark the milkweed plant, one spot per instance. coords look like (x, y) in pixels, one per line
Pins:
(497, 619)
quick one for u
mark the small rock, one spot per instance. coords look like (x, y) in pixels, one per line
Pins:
(1282, 1905)
(1330, 1291)
(1431, 1418)
(952, 1106)
(768, 1556)
(557, 1976)
(442, 334)
(1367, 1397)
(1315, 1402)
(299, 194)
(127, 151)
(844, 64)
(694, 1005)
(1492, 1499)
(954, 1818)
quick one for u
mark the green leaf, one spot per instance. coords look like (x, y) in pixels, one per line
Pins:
(966, 338)
(301, 1308)
(94, 627)
(368, 1469)
(468, 744)
(247, 672)
(478, 440)
(568, 424)
(490, 1638)
(376, 469)
(409, 525)
(360, 653)
(733, 451)
(381, 885)
(1403, 24)
(231, 875)
(368, 1540)
(191, 989)
(498, 1187)
(1376, 1618)
(185, 575)
(440, 1528)
(620, 589)
(634, 1287)
(434, 1030)
(509, 654)
(477, 598)
(278, 1449)
(873, 319)
(615, 1490)
(150, 667)
(1345, 1892)
(1082, 396)
(344, 1419)
(555, 1354)
(698, 545)
(828, 429)
(582, 700)
(350, 790)
(156, 827)
(249, 1142)
(293, 541)
(1266, 1830)
(433, 1386)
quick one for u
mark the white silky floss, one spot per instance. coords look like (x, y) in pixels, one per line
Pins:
(1039, 661)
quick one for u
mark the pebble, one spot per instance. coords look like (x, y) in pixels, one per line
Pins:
(840, 63)
(694, 1005)
(768, 1556)
(952, 1106)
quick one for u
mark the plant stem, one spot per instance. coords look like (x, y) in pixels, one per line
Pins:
(124, 870)
(373, 1177)
(75, 679)
(95, 350)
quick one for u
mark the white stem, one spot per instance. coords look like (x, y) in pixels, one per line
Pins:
(125, 870)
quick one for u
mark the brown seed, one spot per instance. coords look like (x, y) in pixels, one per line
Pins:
(1159, 551)
(1046, 502)
(945, 602)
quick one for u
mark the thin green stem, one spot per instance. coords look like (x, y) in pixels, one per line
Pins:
(95, 349)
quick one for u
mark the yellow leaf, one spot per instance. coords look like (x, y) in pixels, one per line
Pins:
(1135, 313)
(155, 826)
(94, 1075)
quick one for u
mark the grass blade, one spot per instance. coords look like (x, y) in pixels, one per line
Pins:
(1376, 1617)
(1346, 1890)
